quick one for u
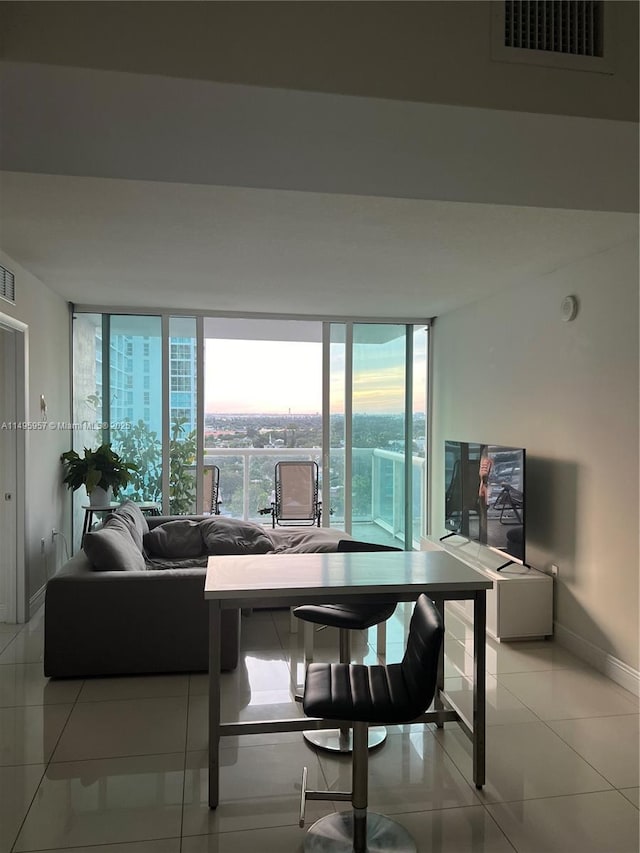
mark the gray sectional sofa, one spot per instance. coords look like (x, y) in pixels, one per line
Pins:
(132, 600)
(130, 616)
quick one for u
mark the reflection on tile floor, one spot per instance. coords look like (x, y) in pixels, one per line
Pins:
(119, 765)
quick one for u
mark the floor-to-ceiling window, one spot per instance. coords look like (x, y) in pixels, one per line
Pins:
(177, 394)
(183, 416)
(263, 404)
(87, 398)
(377, 436)
(133, 404)
(118, 397)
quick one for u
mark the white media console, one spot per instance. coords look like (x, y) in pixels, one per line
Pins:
(520, 605)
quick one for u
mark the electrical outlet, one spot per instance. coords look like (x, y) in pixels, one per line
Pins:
(554, 571)
(42, 547)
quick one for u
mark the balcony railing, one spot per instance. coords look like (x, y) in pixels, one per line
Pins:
(247, 475)
(247, 482)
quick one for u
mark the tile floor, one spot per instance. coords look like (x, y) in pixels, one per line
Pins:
(118, 765)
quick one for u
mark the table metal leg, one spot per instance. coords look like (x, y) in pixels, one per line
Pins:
(214, 702)
(479, 686)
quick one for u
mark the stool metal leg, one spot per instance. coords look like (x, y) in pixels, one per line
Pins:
(341, 740)
(381, 641)
(360, 787)
(334, 834)
(358, 831)
(308, 642)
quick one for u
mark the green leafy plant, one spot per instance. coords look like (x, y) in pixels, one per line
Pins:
(143, 444)
(182, 481)
(102, 468)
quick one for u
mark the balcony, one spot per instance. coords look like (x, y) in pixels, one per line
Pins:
(247, 479)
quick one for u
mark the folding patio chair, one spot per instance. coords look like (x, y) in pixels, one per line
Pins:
(211, 494)
(295, 497)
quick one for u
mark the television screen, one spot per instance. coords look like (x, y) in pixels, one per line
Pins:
(485, 495)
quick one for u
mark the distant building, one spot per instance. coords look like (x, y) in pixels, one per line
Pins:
(135, 379)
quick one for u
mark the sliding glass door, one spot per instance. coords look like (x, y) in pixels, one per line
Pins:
(263, 405)
(377, 438)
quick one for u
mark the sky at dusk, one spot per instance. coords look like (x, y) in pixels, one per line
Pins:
(269, 377)
(275, 377)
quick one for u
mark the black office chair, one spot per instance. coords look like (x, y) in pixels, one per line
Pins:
(347, 618)
(393, 694)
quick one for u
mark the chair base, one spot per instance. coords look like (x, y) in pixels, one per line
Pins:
(334, 834)
(331, 740)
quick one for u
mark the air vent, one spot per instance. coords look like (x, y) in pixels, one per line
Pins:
(572, 27)
(7, 285)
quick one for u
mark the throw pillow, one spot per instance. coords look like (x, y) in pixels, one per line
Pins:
(180, 538)
(134, 517)
(112, 549)
(231, 536)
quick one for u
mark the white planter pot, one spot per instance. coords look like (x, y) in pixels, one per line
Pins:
(101, 497)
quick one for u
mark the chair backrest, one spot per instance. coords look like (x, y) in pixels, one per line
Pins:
(420, 662)
(211, 490)
(296, 491)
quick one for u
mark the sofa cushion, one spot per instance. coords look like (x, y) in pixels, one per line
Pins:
(180, 538)
(222, 535)
(163, 563)
(134, 517)
(112, 549)
(305, 540)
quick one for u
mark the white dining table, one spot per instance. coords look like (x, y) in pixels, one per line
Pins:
(287, 580)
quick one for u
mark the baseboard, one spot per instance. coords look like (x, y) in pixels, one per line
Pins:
(607, 664)
(36, 601)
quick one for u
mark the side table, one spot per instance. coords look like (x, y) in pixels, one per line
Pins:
(147, 507)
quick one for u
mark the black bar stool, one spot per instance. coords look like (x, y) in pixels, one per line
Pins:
(346, 618)
(355, 617)
(397, 693)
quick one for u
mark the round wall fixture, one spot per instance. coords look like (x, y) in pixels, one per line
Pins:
(569, 308)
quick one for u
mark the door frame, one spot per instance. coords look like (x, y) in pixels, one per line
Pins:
(17, 588)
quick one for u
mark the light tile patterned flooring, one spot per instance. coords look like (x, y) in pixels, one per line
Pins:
(118, 765)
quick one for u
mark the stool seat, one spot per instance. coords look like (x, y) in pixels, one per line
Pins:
(355, 617)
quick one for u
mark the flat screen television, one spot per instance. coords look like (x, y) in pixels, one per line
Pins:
(485, 498)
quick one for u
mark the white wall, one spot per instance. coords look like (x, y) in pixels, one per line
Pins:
(437, 52)
(46, 314)
(509, 370)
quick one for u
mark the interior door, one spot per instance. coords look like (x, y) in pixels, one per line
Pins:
(8, 475)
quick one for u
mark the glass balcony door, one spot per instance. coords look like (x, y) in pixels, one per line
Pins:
(262, 405)
(377, 374)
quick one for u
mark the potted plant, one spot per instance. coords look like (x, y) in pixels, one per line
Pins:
(101, 469)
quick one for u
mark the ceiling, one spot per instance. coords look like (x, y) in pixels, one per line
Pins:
(123, 190)
(113, 242)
